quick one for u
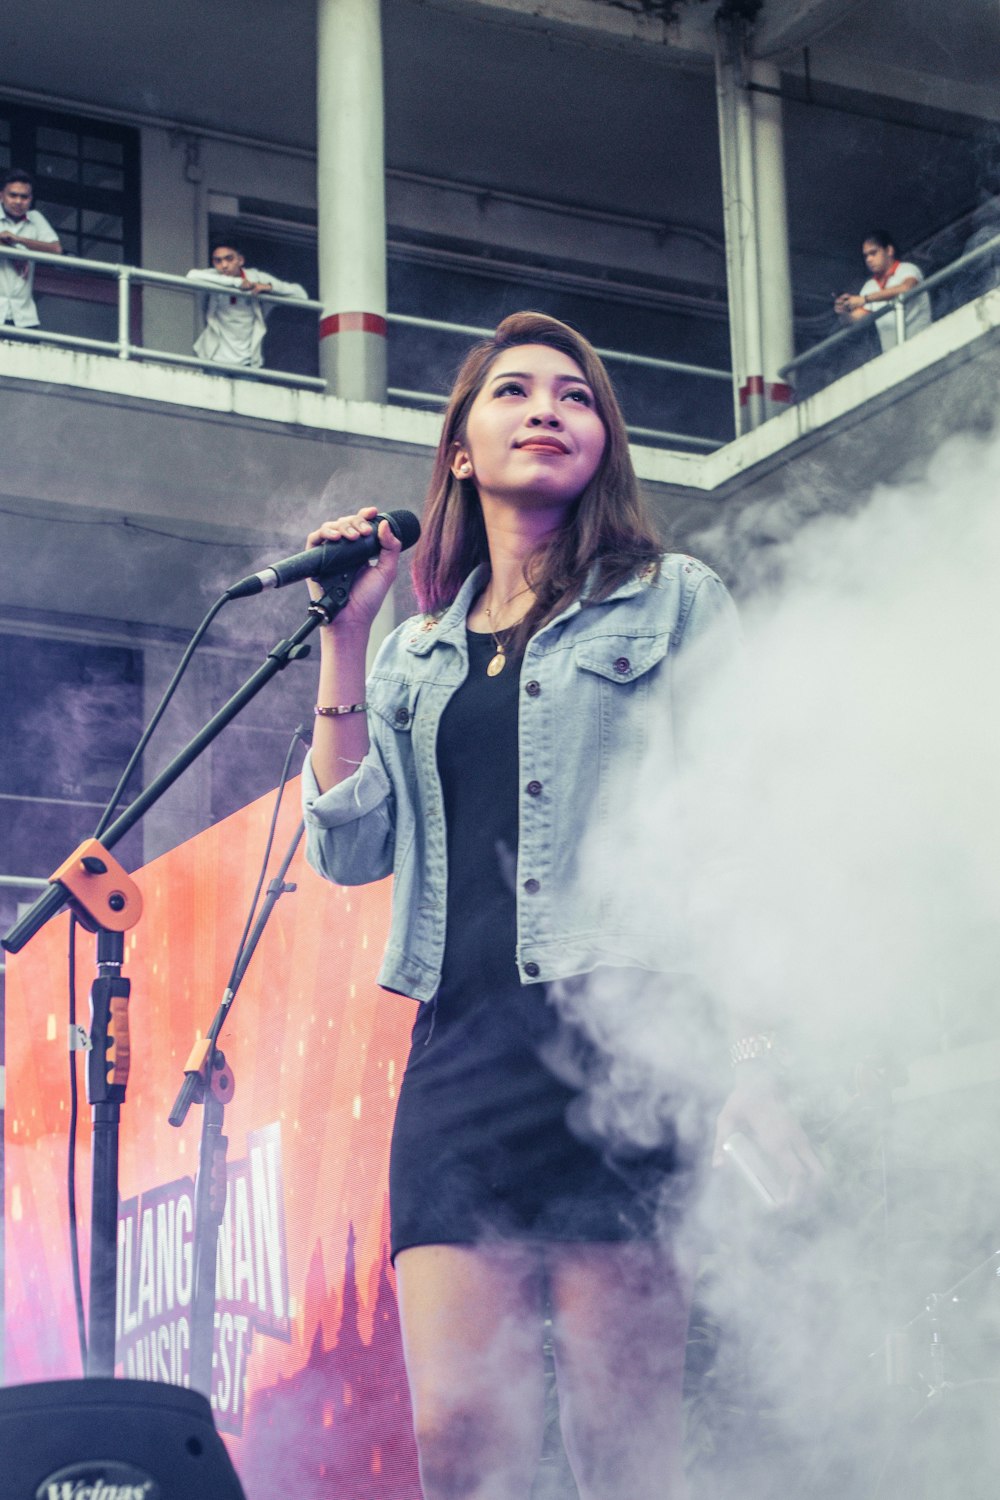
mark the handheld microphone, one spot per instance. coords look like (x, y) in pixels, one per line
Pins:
(332, 557)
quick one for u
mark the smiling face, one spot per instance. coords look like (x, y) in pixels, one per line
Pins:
(533, 431)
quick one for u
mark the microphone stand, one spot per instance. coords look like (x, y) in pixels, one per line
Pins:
(321, 612)
(68, 887)
(209, 1080)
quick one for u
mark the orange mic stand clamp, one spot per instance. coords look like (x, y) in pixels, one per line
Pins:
(101, 892)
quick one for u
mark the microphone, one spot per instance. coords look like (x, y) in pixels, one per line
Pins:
(332, 557)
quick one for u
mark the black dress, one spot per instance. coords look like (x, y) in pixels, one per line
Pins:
(489, 1141)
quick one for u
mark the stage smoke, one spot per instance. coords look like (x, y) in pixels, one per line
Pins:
(830, 859)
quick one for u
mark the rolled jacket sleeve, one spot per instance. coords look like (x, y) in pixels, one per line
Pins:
(350, 829)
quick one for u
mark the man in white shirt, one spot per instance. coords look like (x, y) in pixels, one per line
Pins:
(235, 326)
(887, 278)
(20, 224)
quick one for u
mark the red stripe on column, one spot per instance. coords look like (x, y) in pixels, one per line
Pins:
(752, 386)
(352, 322)
(778, 391)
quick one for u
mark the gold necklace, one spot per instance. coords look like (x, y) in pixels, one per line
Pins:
(498, 661)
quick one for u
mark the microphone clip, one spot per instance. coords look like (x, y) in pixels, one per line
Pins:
(337, 588)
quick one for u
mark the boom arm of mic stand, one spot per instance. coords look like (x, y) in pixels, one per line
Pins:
(51, 902)
(197, 1074)
(205, 1078)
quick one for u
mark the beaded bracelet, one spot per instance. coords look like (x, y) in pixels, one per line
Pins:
(341, 708)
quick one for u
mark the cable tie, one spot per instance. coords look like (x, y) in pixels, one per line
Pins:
(79, 1038)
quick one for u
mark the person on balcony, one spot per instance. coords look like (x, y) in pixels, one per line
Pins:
(235, 325)
(20, 224)
(888, 278)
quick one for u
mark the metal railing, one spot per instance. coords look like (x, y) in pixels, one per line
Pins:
(128, 277)
(896, 309)
(123, 347)
(643, 361)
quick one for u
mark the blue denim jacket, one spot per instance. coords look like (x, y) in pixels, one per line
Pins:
(608, 691)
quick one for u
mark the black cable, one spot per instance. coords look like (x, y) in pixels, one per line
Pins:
(299, 734)
(74, 1242)
(105, 819)
(103, 822)
(161, 707)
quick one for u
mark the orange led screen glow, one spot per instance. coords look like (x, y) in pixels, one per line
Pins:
(308, 1382)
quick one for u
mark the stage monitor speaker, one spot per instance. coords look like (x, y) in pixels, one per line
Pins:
(104, 1439)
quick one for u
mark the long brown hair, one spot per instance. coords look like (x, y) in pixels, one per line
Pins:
(608, 529)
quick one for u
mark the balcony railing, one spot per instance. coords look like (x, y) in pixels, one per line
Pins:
(979, 260)
(126, 347)
(611, 356)
(129, 277)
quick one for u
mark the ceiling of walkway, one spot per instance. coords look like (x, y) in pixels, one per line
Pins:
(487, 93)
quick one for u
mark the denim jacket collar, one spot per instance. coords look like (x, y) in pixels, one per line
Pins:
(449, 628)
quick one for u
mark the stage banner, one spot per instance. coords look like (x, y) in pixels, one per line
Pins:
(308, 1380)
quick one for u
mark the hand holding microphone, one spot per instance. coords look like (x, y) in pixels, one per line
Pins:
(340, 739)
(373, 535)
(345, 546)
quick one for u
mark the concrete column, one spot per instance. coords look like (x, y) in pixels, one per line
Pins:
(725, 94)
(756, 227)
(351, 198)
(775, 272)
(736, 146)
(752, 383)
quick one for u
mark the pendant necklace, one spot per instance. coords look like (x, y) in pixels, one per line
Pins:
(498, 660)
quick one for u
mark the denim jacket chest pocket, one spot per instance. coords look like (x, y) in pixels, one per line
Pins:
(620, 682)
(394, 703)
(621, 658)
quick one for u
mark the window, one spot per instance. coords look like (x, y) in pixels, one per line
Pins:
(86, 178)
(86, 175)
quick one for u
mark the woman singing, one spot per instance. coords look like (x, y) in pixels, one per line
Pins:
(488, 764)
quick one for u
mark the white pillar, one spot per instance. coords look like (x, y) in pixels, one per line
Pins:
(752, 383)
(777, 327)
(756, 227)
(351, 198)
(725, 94)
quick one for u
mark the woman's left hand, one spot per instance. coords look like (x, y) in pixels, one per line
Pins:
(755, 1106)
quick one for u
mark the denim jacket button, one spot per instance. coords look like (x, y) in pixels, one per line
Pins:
(533, 689)
(534, 788)
(532, 970)
(402, 716)
(621, 664)
(532, 886)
